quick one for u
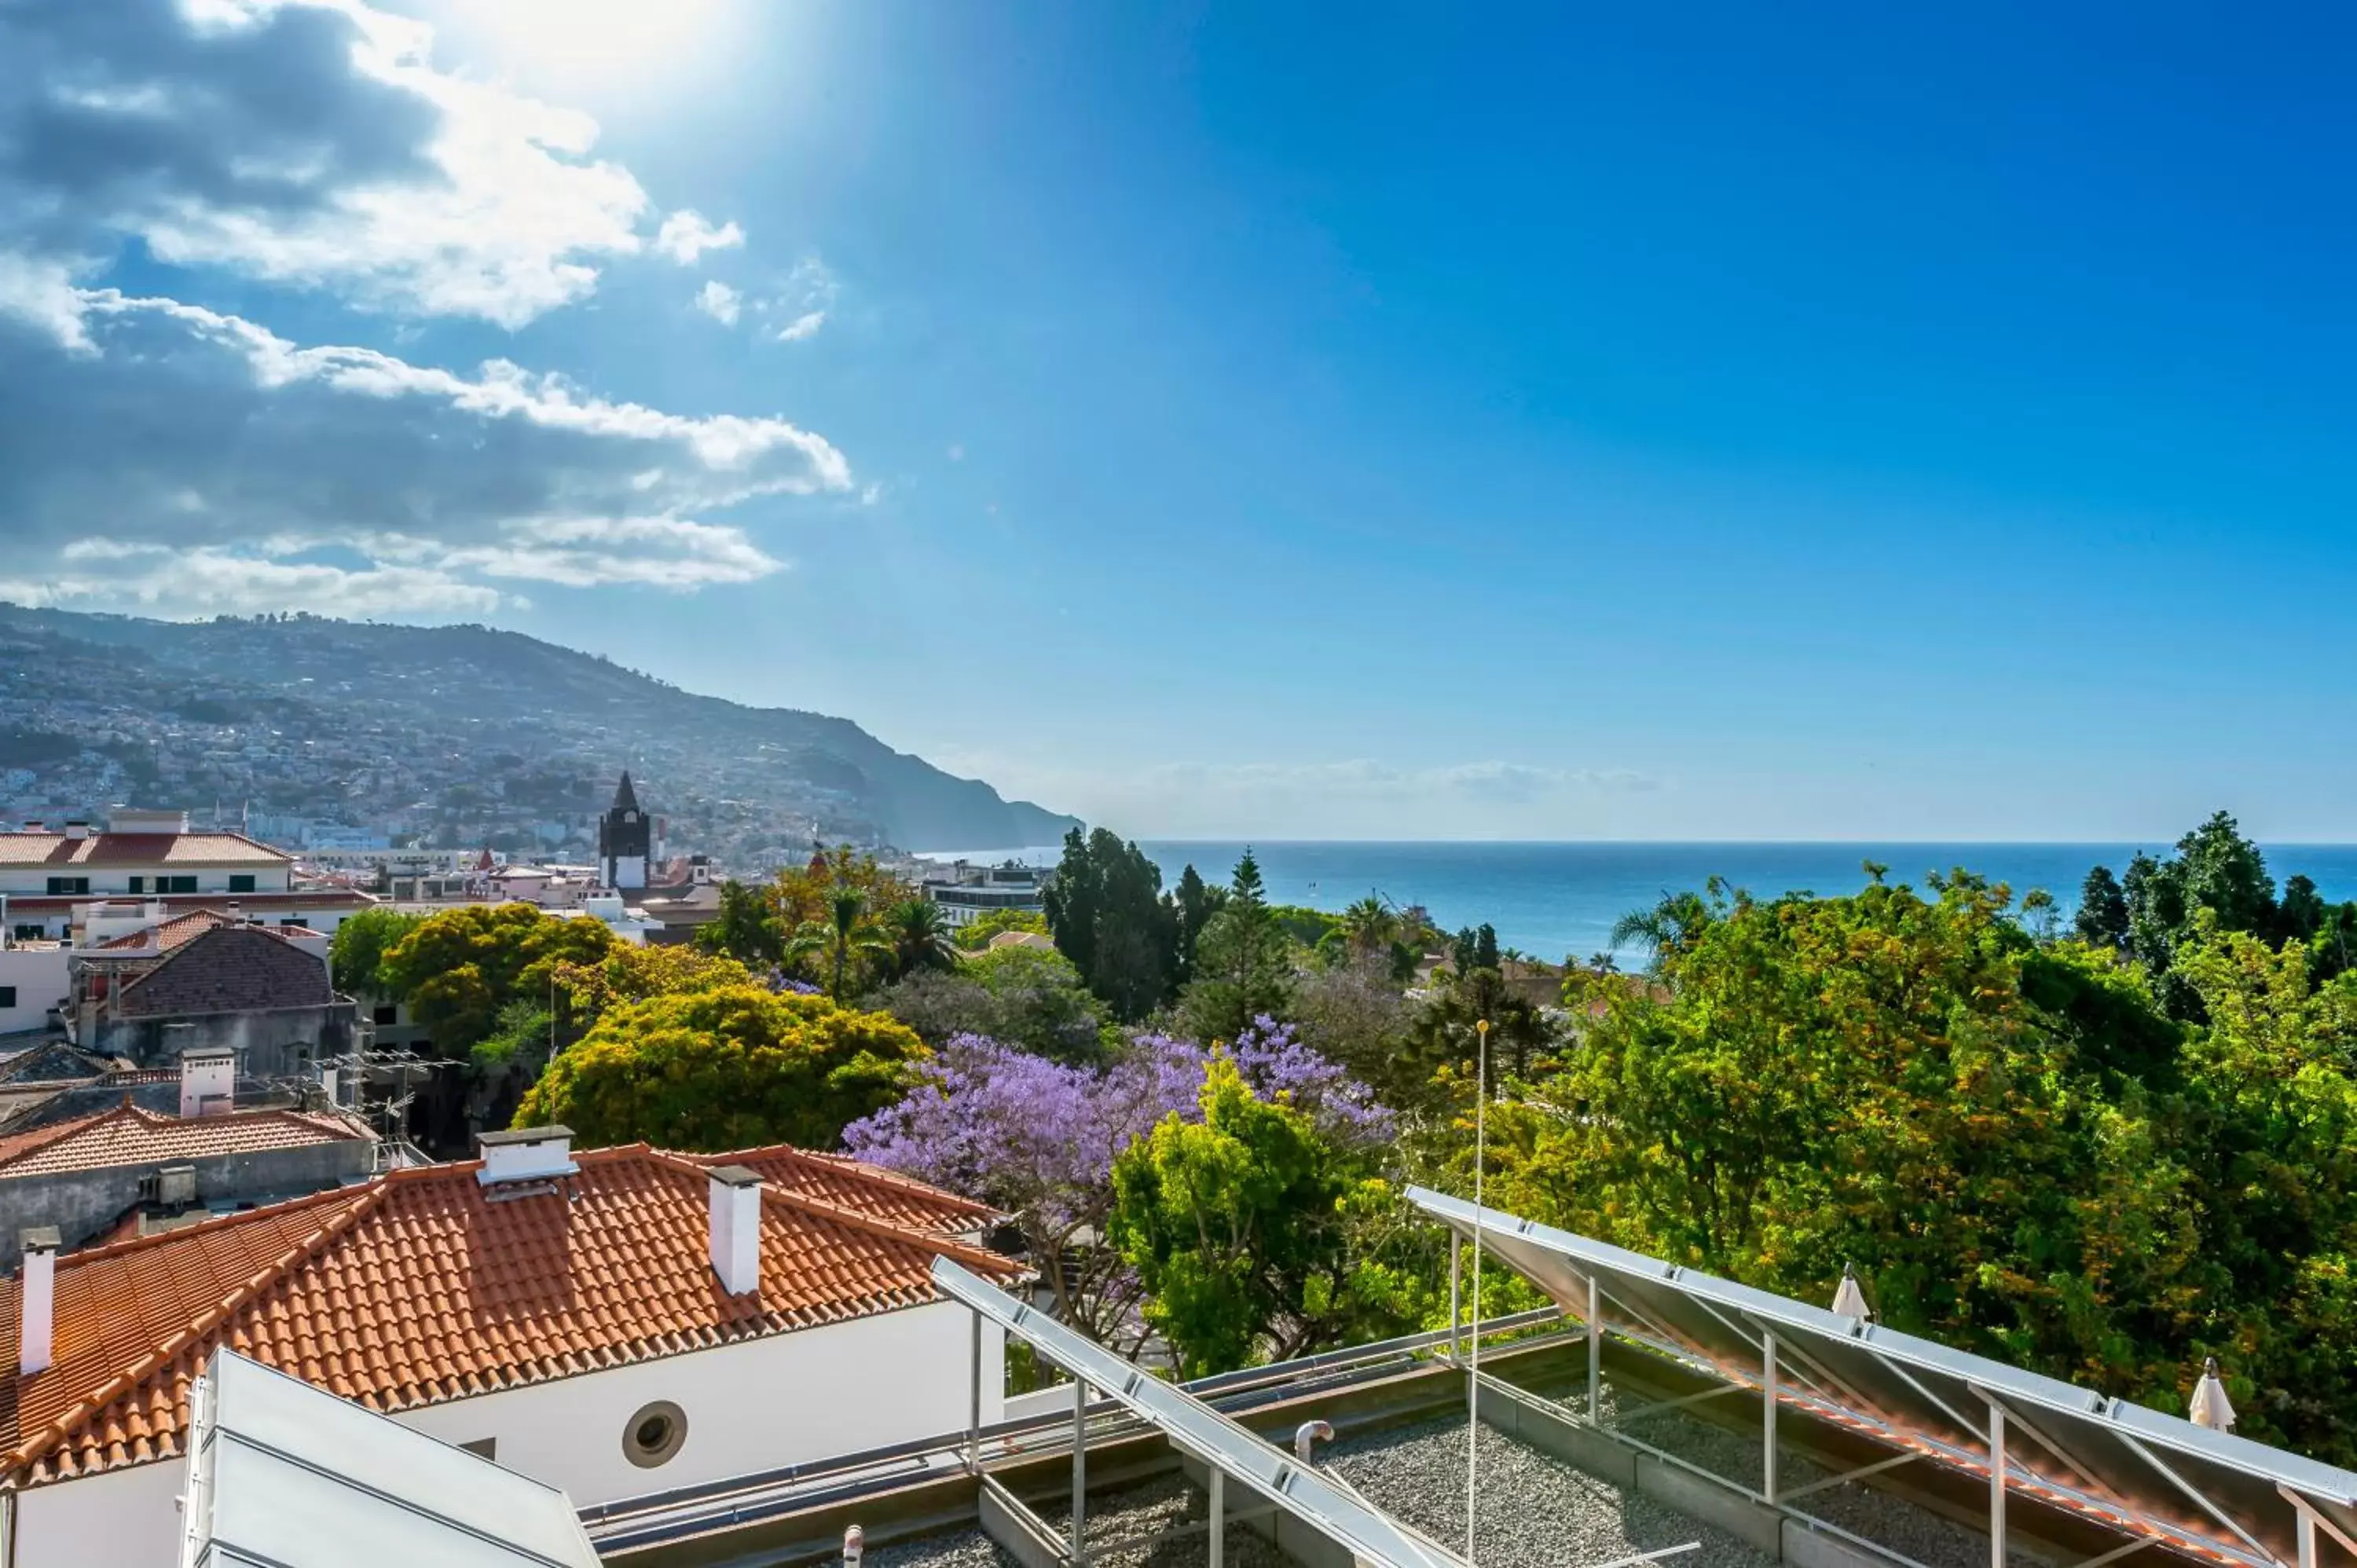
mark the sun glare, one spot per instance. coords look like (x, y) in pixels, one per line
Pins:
(586, 43)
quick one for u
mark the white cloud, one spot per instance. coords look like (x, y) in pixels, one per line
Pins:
(805, 299)
(346, 476)
(720, 302)
(684, 235)
(304, 141)
(42, 293)
(159, 579)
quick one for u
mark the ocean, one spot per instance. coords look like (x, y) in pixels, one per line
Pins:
(1554, 900)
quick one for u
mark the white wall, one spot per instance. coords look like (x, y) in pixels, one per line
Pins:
(39, 976)
(752, 1406)
(118, 1519)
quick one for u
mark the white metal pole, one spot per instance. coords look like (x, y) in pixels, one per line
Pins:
(1996, 1487)
(1595, 1359)
(2306, 1537)
(973, 1410)
(1079, 1467)
(1219, 1516)
(1473, 1378)
(1768, 1418)
(1456, 1306)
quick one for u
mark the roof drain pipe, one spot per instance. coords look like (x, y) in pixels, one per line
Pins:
(1308, 1432)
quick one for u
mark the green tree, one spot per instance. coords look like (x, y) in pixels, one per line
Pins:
(1238, 1228)
(726, 1068)
(1242, 967)
(1194, 902)
(1025, 997)
(1669, 928)
(846, 931)
(356, 953)
(1445, 1033)
(920, 937)
(747, 928)
(459, 970)
(1108, 914)
(2103, 920)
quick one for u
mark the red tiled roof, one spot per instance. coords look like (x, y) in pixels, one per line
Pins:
(232, 968)
(304, 899)
(420, 1287)
(137, 849)
(854, 1184)
(127, 1135)
(171, 933)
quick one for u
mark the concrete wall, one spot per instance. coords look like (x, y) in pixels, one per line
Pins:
(269, 1044)
(81, 1204)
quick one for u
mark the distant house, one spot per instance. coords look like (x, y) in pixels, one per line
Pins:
(47, 880)
(614, 1322)
(204, 979)
(32, 984)
(130, 1169)
(966, 894)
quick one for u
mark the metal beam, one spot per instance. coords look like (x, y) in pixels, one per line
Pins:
(2199, 1501)
(1079, 1467)
(2311, 1517)
(1768, 1418)
(1996, 1486)
(1201, 1432)
(1846, 1476)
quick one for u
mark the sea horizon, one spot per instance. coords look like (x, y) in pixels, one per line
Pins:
(1557, 898)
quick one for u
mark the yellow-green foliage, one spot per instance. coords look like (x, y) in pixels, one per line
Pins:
(459, 970)
(723, 1068)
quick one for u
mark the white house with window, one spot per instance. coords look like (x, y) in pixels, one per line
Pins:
(50, 879)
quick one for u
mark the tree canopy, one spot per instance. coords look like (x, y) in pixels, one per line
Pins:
(725, 1068)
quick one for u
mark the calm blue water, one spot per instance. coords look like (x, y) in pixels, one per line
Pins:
(1556, 899)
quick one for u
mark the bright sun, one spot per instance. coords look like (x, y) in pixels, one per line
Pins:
(593, 42)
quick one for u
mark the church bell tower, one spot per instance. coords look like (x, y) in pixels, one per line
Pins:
(624, 837)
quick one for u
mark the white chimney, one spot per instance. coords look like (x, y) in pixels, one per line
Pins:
(736, 1228)
(207, 1080)
(77, 829)
(36, 1314)
(526, 1154)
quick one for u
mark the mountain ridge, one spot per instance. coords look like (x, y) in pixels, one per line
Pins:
(441, 730)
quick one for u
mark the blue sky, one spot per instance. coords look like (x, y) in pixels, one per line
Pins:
(1251, 420)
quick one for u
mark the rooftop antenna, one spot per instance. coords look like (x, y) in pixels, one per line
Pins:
(1473, 1376)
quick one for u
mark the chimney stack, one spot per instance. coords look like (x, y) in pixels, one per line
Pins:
(525, 1155)
(37, 1314)
(736, 1228)
(207, 1080)
(77, 829)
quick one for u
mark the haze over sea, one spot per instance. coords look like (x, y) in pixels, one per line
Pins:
(1551, 900)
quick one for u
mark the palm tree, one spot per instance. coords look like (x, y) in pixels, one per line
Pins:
(920, 937)
(1666, 930)
(846, 930)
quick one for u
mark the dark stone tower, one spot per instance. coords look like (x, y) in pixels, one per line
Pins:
(625, 839)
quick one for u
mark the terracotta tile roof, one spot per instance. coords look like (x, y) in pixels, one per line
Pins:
(137, 849)
(420, 1287)
(127, 1135)
(171, 933)
(251, 903)
(230, 968)
(854, 1184)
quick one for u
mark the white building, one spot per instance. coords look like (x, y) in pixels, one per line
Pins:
(616, 1323)
(33, 983)
(47, 880)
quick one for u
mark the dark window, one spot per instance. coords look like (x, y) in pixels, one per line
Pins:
(176, 884)
(295, 921)
(25, 933)
(388, 1014)
(489, 1447)
(69, 884)
(138, 885)
(7, 996)
(241, 883)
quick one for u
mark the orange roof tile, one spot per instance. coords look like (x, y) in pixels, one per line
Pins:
(138, 849)
(127, 1135)
(421, 1287)
(171, 933)
(854, 1184)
